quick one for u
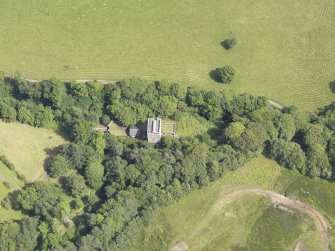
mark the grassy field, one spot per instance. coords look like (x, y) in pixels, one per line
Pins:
(28, 147)
(249, 222)
(285, 48)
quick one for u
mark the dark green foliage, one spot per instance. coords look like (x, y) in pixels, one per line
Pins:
(25, 116)
(27, 198)
(244, 104)
(58, 166)
(289, 154)
(76, 154)
(81, 132)
(225, 74)
(41, 198)
(76, 204)
(286, 126)
(229, 43)
(315, 134)
(44, 118)
(21, 235)
(194, 96)
(98, 142)
(94, 173)
(7, 113)
(105, 120)
(234, 131)
(77, 90)
(52, 93)
(75, 185)
(318, 162)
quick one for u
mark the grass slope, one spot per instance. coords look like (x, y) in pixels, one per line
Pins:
(248, 222)
(27, 147)
(285, 48)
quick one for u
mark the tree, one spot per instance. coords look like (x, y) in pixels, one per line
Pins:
(123, 114)
(77, 154)
(167, 105)
(233, 131)
(212, 107)
(28, 197)
(19, 235)
(244, 104)
(75, 185)
(286, 126)
(78, 90)
(25, 116)
(225, 74)
(105, 119)
(229, 43)
(94, 173)
(318, 162)
(58, 166)
(44, 117)
(315, 134)
(41, 198)
(289, 155)
(7, 113)
(81, 132)
(53, 92)
(98, 142)
(194, 96)
(248, 141)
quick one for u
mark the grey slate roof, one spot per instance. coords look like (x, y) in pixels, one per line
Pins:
(134, 131)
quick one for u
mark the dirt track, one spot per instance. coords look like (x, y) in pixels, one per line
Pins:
(319, 220)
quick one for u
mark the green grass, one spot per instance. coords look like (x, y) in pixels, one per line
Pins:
(205, 221)
(116, 130)
(28, 147)
(276, 230)
(285, 48)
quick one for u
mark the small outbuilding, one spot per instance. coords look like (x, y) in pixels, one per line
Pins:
(134, 132)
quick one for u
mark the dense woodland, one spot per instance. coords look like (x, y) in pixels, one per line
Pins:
(105, 190)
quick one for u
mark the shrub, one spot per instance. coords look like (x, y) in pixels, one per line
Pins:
(76, 203)
(6, 162)
(229, 43)
(6, 203)
(21, 177)
(225, 74)
(8, 114)
(6, 184)
(105, 120)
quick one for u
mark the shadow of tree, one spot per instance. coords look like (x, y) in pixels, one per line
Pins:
(213, 74)
(332, 86)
